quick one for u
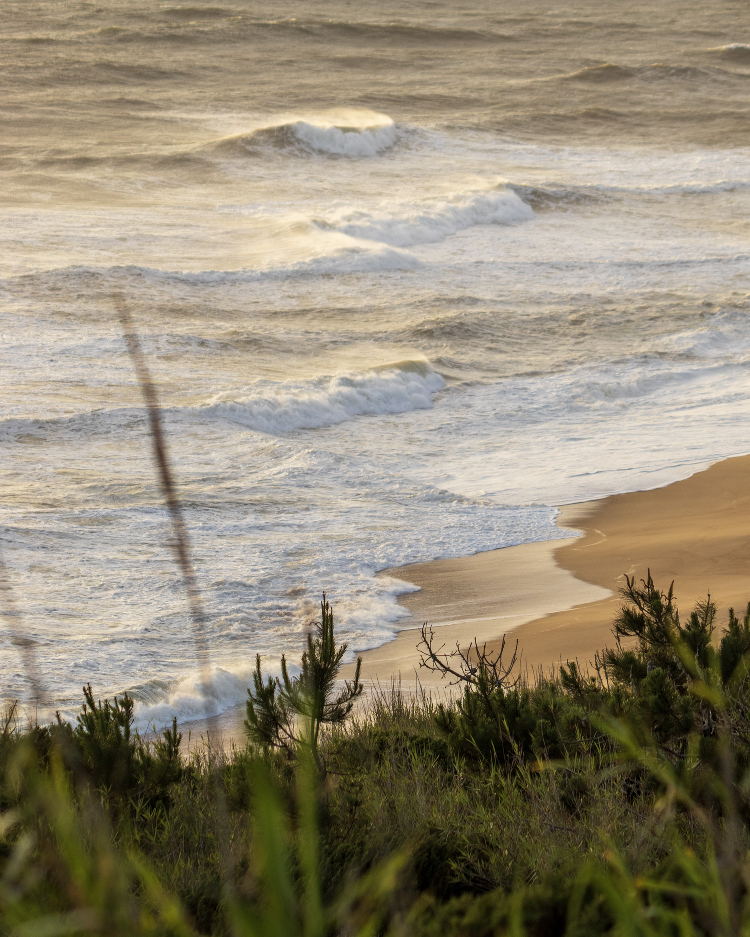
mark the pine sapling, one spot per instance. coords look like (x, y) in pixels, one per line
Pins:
(289, 712)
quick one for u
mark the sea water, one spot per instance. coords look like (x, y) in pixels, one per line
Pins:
(407, 275)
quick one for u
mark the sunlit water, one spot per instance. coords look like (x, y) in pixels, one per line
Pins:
(407, 275)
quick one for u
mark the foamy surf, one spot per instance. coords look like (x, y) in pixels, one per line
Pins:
(436, 220)
(277, 407)
(347, 132)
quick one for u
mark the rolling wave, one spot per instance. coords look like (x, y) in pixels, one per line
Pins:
(211, 24)
(198, 12)
(389, 32)
(545, 198)
(276, 407)
(353, 133)
(734, 52)
(428, 224)
(267, 406)
(608, 72)
(347, 242)
(551, 197)
(350, 258)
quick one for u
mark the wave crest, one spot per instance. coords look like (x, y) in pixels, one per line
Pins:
(658, 71)
(277, 407)
(428, 224)
(350, 133)
(734, 52)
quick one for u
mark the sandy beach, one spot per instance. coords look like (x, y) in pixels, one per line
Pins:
(695, 532)
(558, 598)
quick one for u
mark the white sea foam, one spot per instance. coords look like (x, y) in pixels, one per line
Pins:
(350, 132)
(430, 222)
(345, 141)
(157, 702)
(285, 406)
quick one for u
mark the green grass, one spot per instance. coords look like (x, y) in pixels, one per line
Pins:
(579, 806)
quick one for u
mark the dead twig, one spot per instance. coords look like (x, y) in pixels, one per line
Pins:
(473, 666)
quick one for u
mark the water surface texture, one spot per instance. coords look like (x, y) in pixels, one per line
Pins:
(408, 274)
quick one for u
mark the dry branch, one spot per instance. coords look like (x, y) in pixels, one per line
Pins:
(472, 666)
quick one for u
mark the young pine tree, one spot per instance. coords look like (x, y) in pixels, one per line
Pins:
(289, 712)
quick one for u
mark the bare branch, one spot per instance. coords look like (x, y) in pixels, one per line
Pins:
(473, 666)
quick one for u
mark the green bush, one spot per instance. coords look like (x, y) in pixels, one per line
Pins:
(289, 713)
(580, 805)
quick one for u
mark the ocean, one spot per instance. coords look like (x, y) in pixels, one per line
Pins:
(408, 275)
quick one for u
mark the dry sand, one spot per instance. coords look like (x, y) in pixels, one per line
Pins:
(559, 598)
(695, 532)
(475, 597)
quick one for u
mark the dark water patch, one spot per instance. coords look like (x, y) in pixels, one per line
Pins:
(450, 328)
(738, 52)
(602, 114)
(647, 123)
(40, 40)
(125, 72)
(243, 341)
(608, 72)
(176, 161)
(550, 198)
(659, 71)
(601, 73)
(255, 142)
(71, 163)
(198, 12)
(129, 162)
(390, 32)
(141, 103)
(115, 33)
(83, 73)
(45, 430)
(161, 33)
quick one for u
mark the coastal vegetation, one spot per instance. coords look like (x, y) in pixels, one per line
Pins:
(609, 802)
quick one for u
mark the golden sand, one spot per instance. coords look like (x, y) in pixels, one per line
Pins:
(559, 598)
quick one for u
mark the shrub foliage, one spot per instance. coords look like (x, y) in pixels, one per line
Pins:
(609, 802)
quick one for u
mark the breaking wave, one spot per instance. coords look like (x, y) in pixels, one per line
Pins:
(276, 407)
(734, 52)
(427, 224)
(351, 133)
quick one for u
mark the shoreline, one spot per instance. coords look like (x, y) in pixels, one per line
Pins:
(559, 597)
(513, 586)
(695, 532)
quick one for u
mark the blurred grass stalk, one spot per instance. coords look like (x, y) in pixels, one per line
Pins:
(181, 539)
(72, 862)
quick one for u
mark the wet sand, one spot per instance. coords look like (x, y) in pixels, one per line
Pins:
(695, 532)
(558, 598)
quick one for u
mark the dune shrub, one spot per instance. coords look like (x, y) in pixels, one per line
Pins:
(576, 804)
(289, 713)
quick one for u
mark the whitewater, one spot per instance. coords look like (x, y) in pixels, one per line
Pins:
(407, 280)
